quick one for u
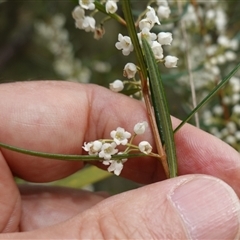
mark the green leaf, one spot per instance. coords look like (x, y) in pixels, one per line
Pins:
(160, 107)
(65, 157)
(86, 176)
(208, 97)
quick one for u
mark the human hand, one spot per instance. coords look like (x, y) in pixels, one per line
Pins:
(58, 117)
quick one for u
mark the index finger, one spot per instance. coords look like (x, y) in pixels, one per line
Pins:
(57, 117)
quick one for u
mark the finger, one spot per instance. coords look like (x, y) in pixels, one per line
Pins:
(10, 201)
(58, 117)
(188, 207)
(44, 206)
(200, 152)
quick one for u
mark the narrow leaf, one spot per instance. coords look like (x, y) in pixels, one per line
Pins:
(161, 107)
(208, 97)
(65, 157)
(86, 176)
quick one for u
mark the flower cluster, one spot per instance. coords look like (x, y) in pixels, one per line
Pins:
(150, 19)
(106, 148)
(211, 57)
(65, 64)
(88, 23)
(156, 41)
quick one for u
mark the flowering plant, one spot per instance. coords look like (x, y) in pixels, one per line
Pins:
(144, 82)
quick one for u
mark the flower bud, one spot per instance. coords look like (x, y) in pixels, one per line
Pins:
(140, 128)
(129, 70)
(163, 12)
(145, 147)
(116, 86)
(111, 6)
(78, 13)
(157, 50)
(171, 61)
(165, 38)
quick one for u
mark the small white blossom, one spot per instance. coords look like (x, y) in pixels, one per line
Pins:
(157, 50)
(231, 126)
(223, 41)
(124, 44)
(230, 55)
(151, 16)
(230, 139)
(215, 70)
(237, 135)
(120, 136)
(165, 38)
(116, 166)
(163, 12)
(78, 13)
(116, 86)
(145, 33)
(171, 61)
(218, 110)
(107, 150)
(140, 128)
(87, 4)
(129, 70)
(145, 147)
(87, 23)
(145, 23)
(92, 147)
(236, 109)
(234, 44)
(111, 6)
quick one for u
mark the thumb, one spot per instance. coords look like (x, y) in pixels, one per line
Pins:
(187, 207)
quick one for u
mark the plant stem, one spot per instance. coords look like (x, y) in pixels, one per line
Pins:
(143, 76)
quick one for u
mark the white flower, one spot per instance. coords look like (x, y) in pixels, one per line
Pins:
(92, 147)
(120, 136)
(230, 55)
(78, 13)
(111, 6)
(236, 109)
(107, 150)
(87, 4)
(129, 70)
(145, 147)
(145, 33)
(165, 38)
(116, 166)
(163, 12)
(171, 61)
(86, 23)
(124, 44)
(145, 23)
(157, 50)
(116, 86)
(151, 16)
(218, 110)
(140, 128)
(223, 41)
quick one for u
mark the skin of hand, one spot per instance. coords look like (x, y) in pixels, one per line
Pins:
(58, 117)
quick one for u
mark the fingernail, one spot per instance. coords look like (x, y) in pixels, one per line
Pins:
(209, 208)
